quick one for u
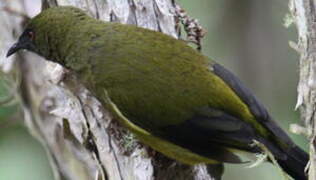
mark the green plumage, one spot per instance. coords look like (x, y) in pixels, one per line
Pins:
(147, 74)
(162, 86)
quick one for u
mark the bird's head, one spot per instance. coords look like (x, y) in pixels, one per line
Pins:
(47, 31)
(26, 41)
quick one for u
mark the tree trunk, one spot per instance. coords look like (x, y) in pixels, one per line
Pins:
(303, 14)
(79, 135)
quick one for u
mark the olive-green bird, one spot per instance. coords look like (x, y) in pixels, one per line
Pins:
(176, 100)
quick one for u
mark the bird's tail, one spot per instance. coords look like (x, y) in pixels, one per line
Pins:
(294, 163)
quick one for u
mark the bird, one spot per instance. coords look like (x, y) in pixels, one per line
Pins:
(173, 98)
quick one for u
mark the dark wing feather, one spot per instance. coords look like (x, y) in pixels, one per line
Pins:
(211, 134)
(256, 108)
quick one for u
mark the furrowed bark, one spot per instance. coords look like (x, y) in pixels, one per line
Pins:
(303, 14)
(81, 138)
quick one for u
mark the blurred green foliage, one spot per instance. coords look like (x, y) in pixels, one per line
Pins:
(6, 109)
(245, 36)
(21, 156)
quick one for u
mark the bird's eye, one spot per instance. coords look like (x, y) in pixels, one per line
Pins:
(31, 35)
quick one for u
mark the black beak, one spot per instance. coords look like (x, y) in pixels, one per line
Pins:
(14, 48)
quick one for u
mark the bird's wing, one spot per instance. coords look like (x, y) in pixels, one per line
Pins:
(256, 108)
(212, 135)
(215, 129)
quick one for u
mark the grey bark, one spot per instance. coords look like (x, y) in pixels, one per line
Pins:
(81, 138)
(303, 14)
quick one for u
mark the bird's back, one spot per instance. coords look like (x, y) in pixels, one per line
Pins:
(155, 80)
